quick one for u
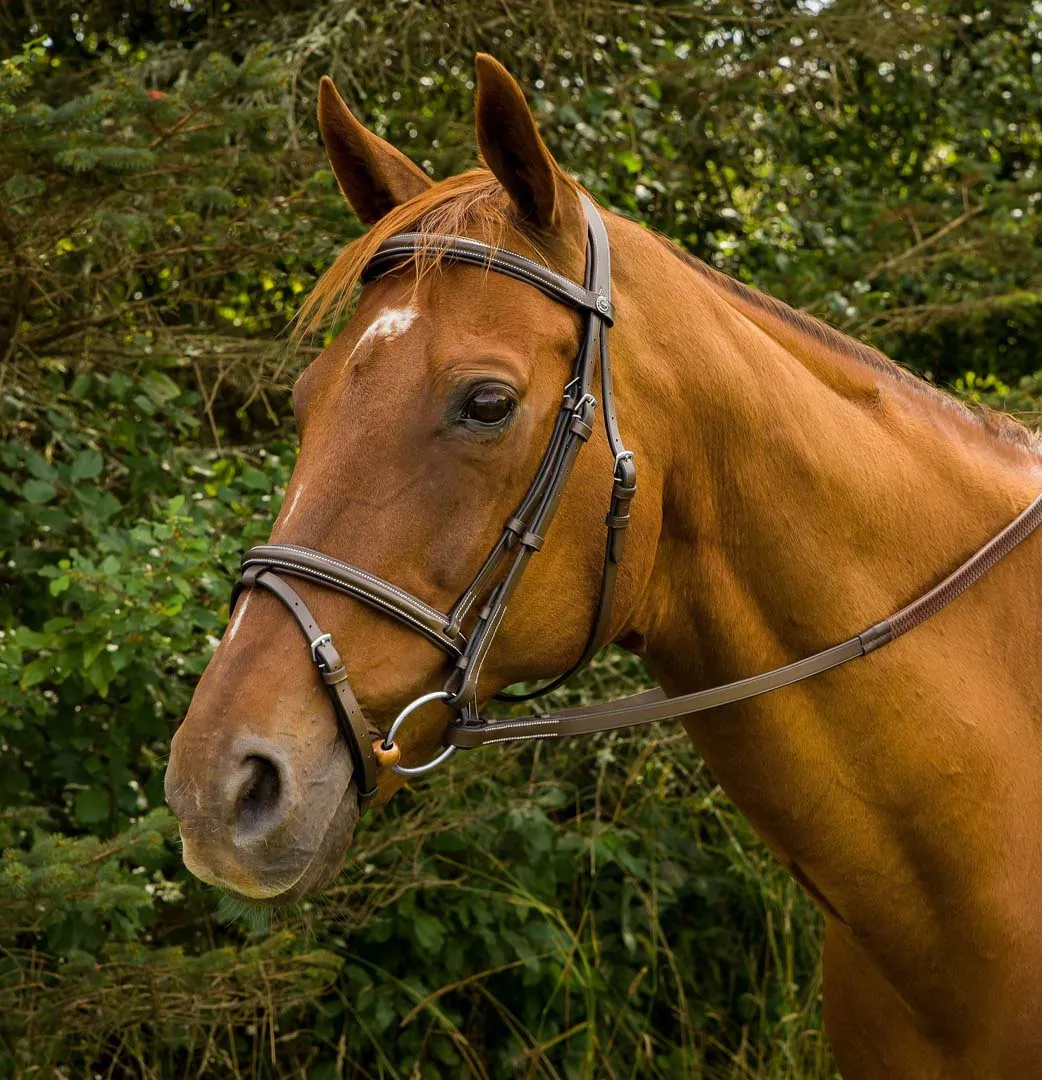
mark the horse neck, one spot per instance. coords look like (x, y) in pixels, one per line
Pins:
(805, 495)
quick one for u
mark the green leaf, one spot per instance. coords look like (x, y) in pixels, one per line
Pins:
(91, 806)
(78, 158)
(36, 672)
(161, 388)
(92, 650)
(631, 162)
(99, 679)
(444, 1052)
(30, 639)
(56, 520)
(86, 466)
(40, 467)
(59, 585)
(428, 931)
(124, 158)
(255, 479)
(38, 491)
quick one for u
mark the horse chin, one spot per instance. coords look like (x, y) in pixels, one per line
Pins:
(329, 859)
(322, 868)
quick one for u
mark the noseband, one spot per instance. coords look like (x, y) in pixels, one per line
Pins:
(267, 566)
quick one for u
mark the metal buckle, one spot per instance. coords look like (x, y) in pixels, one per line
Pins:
(388, 742)
(584, 407)
(322, 639)
(621, 456)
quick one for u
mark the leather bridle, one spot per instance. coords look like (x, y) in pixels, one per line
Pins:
(492, 588)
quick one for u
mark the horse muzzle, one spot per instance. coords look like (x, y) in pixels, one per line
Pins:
(264, 825)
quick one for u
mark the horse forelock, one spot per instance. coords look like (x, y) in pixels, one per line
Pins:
(471, 203)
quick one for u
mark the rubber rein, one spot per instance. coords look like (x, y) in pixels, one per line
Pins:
(484, 602)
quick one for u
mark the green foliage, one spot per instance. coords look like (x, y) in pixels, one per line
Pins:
(592, 911)
(137, 221)
(39, 881)
(122, 542)
(871, 163)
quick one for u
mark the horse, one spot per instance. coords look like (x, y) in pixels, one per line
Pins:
(795, 485)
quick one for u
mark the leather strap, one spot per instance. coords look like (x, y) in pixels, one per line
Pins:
(653, 705)
(370, 589)
(624, 483)
(460, 249)
(523, 536)
(939, 597)
(525, 532)
(353, 725)
(647, 707)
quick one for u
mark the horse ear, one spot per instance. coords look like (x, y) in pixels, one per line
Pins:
(372, 174)
(512, 147)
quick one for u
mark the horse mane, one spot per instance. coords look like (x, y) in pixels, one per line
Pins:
(1000, 425)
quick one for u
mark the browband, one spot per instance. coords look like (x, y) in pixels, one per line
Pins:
(460, 249)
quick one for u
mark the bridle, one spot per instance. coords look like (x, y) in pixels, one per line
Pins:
(492, 588)
(523, 534)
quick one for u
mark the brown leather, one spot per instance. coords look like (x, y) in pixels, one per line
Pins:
(648, 707)
(624, 485)
(939, 597)
(523, 534)
(370, 589)
(403, 247)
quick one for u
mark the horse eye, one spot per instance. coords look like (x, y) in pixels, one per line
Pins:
(489, 406)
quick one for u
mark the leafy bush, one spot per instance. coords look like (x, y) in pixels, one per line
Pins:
(123, 543)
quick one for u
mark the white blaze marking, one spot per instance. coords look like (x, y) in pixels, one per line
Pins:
(237, 621)
(391, 324)
(287, 512)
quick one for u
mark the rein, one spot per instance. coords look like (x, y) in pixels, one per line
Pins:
(267, 566)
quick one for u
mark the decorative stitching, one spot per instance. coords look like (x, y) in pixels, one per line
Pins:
(407, 597)
(356, 590)
(493, 629)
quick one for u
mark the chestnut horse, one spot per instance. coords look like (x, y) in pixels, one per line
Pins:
(795, 487)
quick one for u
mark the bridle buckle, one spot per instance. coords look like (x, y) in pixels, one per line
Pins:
(322, 639)
(621, 456)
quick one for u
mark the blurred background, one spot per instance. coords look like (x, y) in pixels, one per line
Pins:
(596, 909)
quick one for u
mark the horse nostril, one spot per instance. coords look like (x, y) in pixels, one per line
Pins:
(259, 794)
